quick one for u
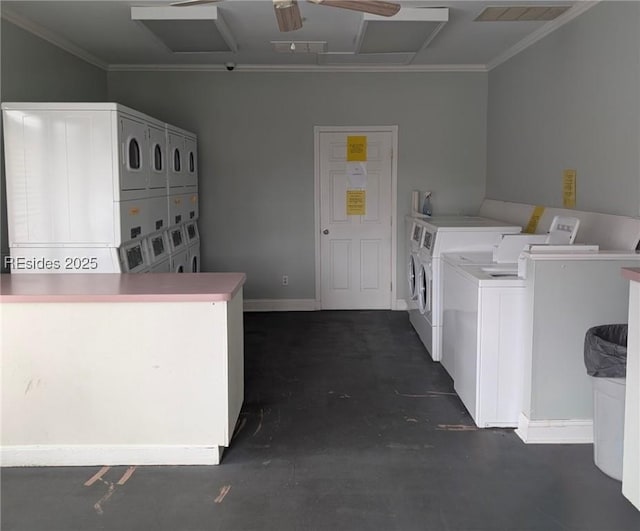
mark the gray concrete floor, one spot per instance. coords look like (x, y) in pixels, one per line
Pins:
(347, 425)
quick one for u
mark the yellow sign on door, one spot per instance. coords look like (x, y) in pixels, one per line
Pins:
(532, 226)
(569, 189)
(356, 201)
(356, 149)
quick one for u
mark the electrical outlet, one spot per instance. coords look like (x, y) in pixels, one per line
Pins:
(285, 280)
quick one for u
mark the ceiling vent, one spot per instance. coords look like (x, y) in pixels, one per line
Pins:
(199, 29)
(410, 31)
(521, 13)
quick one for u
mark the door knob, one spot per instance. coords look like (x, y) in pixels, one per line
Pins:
(325, 231)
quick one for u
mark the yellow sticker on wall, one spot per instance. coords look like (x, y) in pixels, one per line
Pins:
(356, 201)
(569, 189)
(532, 226)
(356, 149)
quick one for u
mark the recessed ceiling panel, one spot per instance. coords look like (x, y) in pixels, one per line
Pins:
(197, 29)
(188, 35)
(396, 37)
(407, 32)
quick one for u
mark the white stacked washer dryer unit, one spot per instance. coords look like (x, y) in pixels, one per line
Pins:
(89, 185)
(183, 196)
(441, 235)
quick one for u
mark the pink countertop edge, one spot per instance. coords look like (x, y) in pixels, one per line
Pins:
(116, 287)
(631, 273)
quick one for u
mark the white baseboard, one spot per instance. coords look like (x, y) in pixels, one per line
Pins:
(295, 305)
(96, 455)
(578, 431)
(280, 305)
(401, 305)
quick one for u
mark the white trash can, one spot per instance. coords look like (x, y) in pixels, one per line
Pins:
(608, 424)
(605, 356)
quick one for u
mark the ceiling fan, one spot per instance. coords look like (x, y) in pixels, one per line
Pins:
(288, 11)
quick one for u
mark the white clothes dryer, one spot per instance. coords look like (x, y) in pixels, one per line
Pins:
(441, 235)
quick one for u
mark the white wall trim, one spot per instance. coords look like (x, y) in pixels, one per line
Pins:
(572, 431)
(109, 455)
(280, 305)
(578, 9)
(393, 129)
(401, 305)
(298, 68)
(52, 38)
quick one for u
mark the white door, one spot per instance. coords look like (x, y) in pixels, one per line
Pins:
(355, 249)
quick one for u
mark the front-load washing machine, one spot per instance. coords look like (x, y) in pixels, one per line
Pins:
(442, 235)
(415, 230)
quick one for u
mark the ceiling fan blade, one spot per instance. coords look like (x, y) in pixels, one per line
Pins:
(186, 3)
(373, 7)
(287, 14)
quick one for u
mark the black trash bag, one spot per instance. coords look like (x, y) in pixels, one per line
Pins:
(605, 351)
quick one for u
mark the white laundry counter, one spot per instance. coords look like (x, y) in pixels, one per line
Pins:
(631, 459)
(120, 369)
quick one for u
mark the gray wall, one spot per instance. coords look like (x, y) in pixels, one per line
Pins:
(255, 139)
(572, 100)
(34, 70)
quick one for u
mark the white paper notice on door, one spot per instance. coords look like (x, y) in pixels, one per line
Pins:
(357, 175)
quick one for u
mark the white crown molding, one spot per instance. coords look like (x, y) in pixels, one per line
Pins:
(52, 38)
(578, 9)
(298, 68)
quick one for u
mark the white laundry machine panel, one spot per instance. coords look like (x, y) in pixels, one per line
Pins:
(134, 219)
(451, 234)
(158, 213)
(179, 208)
(177, 239)
(60, 186)
(177, 170)
(133, 256)
(161, 267)
(193, 212)
(482, 336)
(192, 233)
(180, 262)
(158, 160)
(158, 247)
(191, 154)
(193, 256)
